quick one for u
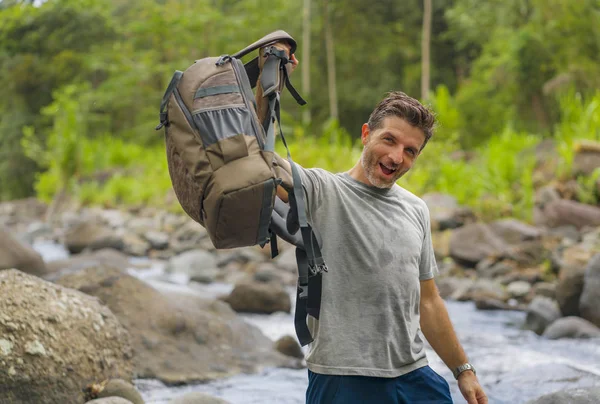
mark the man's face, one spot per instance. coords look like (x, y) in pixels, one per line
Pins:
(389, 151)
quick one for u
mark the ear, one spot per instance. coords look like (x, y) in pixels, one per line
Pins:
(364, 136)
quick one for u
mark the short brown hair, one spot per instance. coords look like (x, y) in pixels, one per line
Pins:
(398, 104)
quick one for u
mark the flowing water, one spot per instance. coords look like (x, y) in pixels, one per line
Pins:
(513, 365)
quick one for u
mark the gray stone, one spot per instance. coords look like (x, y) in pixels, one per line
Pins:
(587, 395)
(258, 297)
(158, 240)
(93, 236)
(109, 400)
(445, 212)
(541, 312)
(566, 212)
(571, 327)
(589, 303)
(474, 242)
(123, 389)
(197, 398)
(193, 263)
(289, 346)
(52, 329)
(15, 254)
(518, 289)
(286, 260)
(178, 337)
(569, 289)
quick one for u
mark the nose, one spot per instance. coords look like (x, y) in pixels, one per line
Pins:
(397, 155)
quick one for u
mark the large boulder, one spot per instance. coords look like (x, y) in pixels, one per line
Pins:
(584, 395)
(589, 303)
(55, 341)
(259, 297)
(14, 254)
(571, 327)
(178, 338)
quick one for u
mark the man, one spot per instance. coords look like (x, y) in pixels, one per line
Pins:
(379, 291)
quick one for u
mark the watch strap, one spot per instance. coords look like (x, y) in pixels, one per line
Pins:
(462, 368)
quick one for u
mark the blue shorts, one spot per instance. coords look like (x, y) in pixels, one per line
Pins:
(420, 386)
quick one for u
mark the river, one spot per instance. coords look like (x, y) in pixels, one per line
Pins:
(513, 365)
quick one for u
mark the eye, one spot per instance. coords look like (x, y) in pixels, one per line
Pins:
(388, 139)
(412, 152)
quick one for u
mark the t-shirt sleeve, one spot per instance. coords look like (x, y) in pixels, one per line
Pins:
(428, 266)
(312, 181)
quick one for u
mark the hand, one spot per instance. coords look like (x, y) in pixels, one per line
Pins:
(286, 47)
(471, 389)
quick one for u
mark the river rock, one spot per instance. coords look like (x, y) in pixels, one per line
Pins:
(587, 395)
(586, 161)
(569, 289)
(93, 236)
(194, 263)
(482, 289)
(15, 254)
(198, 398)
(289, 346)
(566, 212)
(513, 231)
(258, 297)
(286, 260)
(123, 389)
(178, 338)
(518, 289)
(541, 312)
(158, 240)
(445, 212)
(452, 287)
(571, 327)
(589, 303)
(474, 242)
(55, 341)
(545, 289)
(105, 257)
(109, 400)
(134, 245)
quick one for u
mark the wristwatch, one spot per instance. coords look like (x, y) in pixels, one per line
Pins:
(462, 368)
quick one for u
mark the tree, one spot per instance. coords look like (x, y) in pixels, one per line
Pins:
(425, 46)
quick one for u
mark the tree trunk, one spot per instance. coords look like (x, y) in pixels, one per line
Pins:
(306, 118)
(425, 47)
(330, 49)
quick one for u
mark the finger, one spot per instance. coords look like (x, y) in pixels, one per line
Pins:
(472, 399)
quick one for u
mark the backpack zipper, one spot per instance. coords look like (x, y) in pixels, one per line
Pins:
(261, 142)
(186, 111)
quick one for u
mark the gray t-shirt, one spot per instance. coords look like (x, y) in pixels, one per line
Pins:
(377, 245)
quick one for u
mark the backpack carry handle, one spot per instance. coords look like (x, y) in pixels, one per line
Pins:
(271, 38)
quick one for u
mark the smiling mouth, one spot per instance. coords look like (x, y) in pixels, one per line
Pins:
(387, 170)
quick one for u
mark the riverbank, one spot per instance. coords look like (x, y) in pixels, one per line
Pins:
(506, 284)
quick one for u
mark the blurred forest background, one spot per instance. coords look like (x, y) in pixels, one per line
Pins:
(81, 82)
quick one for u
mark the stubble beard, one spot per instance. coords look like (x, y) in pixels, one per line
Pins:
(371, 167)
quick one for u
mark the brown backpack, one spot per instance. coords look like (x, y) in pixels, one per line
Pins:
(222, 162)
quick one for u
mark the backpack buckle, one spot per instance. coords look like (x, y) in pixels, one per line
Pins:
(223, 59)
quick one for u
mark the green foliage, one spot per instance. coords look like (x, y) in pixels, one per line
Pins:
(580, 120)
